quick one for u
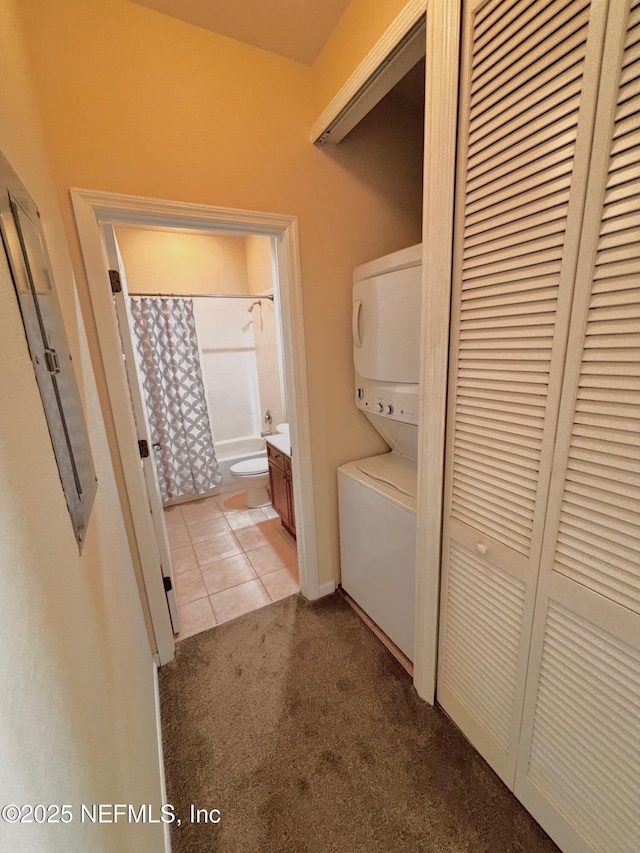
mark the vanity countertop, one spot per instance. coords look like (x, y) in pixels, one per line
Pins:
(281, 441)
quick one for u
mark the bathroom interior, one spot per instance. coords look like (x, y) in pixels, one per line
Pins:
(203, 316)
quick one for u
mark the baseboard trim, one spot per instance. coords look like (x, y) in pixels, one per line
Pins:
(163, 778)
(325, 589)
(321, 591)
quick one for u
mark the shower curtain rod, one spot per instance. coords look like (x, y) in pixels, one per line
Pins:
(255, 296)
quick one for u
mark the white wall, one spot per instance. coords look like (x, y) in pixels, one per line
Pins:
(77, 719)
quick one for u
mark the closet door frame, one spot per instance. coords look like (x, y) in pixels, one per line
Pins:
(441, 107)
(524, 569)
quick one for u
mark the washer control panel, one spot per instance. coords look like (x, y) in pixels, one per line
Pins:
(399, 402)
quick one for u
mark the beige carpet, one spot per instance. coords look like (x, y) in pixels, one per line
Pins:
(299, 726)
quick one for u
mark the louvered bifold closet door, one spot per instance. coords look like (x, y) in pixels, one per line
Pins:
(579, 768)
(528, 91)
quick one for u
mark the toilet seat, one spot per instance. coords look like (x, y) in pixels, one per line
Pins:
(251, 467)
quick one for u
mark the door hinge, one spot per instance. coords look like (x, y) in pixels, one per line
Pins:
(168, 586)
(53, 363)
(143, 447)
(116, 284)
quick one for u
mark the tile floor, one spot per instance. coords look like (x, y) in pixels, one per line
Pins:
(227, 560)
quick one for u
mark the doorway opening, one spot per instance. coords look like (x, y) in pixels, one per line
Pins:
(102, 220)
(202, 311)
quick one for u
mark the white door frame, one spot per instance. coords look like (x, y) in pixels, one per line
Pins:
(440, 116)
(93, 210)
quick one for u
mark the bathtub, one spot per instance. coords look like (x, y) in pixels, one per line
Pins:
(227, 453)
(231, 451)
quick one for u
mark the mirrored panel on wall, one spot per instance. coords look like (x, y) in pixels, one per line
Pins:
(26, 261)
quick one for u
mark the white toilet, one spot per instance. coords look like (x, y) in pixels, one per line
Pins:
(253, 474)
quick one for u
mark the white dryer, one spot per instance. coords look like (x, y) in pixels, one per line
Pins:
(377, 495)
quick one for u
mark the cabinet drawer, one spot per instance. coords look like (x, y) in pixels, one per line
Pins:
(276, 457)
(287, 464)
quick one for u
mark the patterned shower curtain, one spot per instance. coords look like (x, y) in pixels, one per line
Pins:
(169, 361)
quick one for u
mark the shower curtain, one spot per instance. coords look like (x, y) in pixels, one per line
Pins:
(169, 362)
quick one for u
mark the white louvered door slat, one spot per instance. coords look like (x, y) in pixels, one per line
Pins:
(579, 764)
(527, 109)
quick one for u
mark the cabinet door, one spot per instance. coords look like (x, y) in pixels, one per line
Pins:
(291, 521)
(579, 765)
(279, 497)
(528, 92)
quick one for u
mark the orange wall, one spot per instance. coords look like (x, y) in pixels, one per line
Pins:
(259, 264)
(136, 102)
(357, 31)
(170, 262)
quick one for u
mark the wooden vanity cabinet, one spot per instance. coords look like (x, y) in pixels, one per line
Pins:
(281, 483)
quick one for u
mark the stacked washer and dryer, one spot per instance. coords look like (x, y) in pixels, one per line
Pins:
(377, 495)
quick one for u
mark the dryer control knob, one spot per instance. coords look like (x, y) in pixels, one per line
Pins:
(380, 407)
(389, 409)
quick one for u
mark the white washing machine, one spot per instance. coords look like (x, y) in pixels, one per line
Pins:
(377, 498)
(377, 495)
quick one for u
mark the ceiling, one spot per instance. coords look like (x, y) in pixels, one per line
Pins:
(297, 29)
